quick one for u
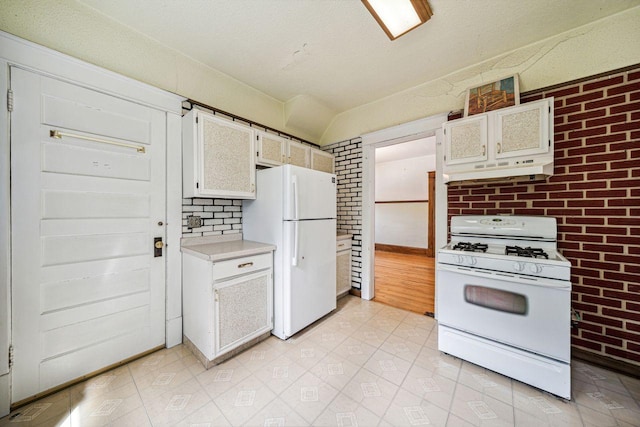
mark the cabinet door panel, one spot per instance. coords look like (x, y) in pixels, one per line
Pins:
(227, 151)
(466, 140)
(321, 161)
(271, 150)
(522, 130)
(343, 272)
(299, 154)
(243, 310)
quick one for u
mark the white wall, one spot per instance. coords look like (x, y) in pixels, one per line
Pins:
(402, 224)
(404, 179)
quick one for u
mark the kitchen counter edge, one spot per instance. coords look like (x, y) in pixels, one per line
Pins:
(224, 250)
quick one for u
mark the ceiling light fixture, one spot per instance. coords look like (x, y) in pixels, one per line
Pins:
(398, 17)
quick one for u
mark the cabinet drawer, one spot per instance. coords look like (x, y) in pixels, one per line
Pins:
(234, 267)
(343, 245)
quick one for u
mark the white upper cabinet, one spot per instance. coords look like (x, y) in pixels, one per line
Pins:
(522, 130)
(514, 142)
(298, 154)
(466, 140)
(271, 150)
(218, 157)
(322, 161)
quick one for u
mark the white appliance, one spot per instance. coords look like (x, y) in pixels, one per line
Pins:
(295, 210)
(504, 299)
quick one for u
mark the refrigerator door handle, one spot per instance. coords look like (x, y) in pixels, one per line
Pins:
(294, 183)
(294, 259)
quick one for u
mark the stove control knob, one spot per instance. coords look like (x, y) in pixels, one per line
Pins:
(535, 268)
(518, 266)
(459, 259)
(472, 261)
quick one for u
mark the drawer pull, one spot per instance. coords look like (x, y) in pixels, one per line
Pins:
(341, 245)
(246, 264)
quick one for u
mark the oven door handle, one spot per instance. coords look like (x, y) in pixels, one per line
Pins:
(507, 277)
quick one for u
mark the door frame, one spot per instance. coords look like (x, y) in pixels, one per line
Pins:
(431, 213)
(410, 131)
(38, 59)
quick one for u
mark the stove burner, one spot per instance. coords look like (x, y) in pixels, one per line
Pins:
(470, 247)
(526, 252)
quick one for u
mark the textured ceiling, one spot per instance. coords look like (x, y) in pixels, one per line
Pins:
(333, 51)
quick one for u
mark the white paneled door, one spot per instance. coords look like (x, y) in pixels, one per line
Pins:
(87, 290)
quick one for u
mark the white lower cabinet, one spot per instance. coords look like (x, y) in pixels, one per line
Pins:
(343, 265)
(227, 304)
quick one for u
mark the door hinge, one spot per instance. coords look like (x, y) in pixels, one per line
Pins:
(9, 100)
(10, 356)
(215, 294)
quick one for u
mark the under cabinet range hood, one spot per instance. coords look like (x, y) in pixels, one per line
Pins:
(512, 144)
(526, 170)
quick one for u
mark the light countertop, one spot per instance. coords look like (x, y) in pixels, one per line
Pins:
(220, 248)
(343, 235)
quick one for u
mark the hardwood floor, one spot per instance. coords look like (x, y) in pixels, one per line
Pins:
(405, 281)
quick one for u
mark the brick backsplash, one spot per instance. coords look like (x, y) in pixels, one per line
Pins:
(348, 162)
(219, 216)
(595, 196)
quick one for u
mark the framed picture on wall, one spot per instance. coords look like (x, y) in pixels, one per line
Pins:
(492, 96)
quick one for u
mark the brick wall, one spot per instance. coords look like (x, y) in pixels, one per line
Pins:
(348, 161)
(595, 196)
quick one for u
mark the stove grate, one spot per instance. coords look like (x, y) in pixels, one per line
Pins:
(526, 252)
(470, 247)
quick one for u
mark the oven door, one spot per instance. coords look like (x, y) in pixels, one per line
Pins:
(530, 313)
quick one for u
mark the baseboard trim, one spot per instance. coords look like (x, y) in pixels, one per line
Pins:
(95, 373)
(606, 362)
(401, 249)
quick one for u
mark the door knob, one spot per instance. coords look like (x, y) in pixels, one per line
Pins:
(157, 246)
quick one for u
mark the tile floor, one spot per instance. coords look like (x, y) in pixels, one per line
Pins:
(366, 365)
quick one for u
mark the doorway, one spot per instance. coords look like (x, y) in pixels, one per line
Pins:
(427, 127)
(404, 267)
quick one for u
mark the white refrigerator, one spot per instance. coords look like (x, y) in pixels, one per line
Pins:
(295, 210)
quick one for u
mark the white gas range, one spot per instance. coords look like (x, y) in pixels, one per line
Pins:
(504, 299)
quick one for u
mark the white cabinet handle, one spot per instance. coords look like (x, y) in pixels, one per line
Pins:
(499, 146)
(245, 265)
(294, 183)
(294, 259)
